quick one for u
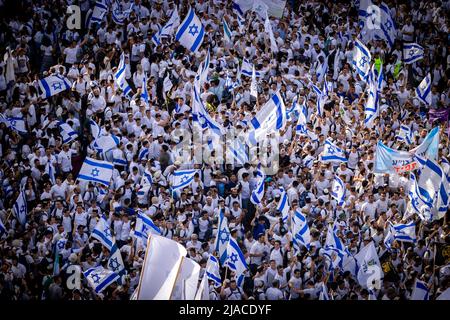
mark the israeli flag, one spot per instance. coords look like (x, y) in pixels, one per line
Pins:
(247, 69)
(118, 14)
(405, 134)
(430, 145)
(202, 74)
(20, 208)
(96, 171)
(423, 91)
(236, 260)
(430, 179)
(145, 226)
(371, 109)
(240, 20)
(115, 261)
(50, 170)
(67, 133)
(361, 59)
(258, 193)
(213, 270)
(260, 7)
(300, 231)
(226, 31)
(420, 202)
(323, 293)
(104, 143)
(389, 239)
(420, 291)
(222, 238)
(301, 127)
(119, 76)
(405, 232)
(202, 116)
(332, 153)
(321, 99)
(53, 84)
(338, 190)
(182, 179)
(168, 29)
(102, 232)
(412, 52)
(191, 32)
(99, 12)
(333, 241)
(387, 25)
(15, 123)
(271, 118)
(144, 91)
(294, 109)
(322, 70)
(143, 154)
(237, 150)
(283, 205)
(100, 278)
(147, 178)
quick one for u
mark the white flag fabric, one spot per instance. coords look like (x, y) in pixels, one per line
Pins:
(100, 278)
(187, 280)
(162, 261)
(96, 171)
(203, 289)
(202, 73)
(371, 109)
(405, 134)
(283, 205)
(423, 91)
(260, 8)
(269, 31)
(115, 261)
(420, 204)
(53, 84)
(412, 52)
(167, 84)
(98, 13)
(202, 116)
(145, 226)
(361, 59)
(444, 295)
(182, 179)
(254, 85)
(370, 272)
(190, 33)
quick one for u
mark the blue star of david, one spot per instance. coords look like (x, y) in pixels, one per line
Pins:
(234, 257)
(193, 29)
(57, 86)
(114, 264)
(337, 188)
(412, 52)
(363, 62)
(95, 172)
(22, 209)
(13, 122)
(388, 25)
(224, 236)
(415, 202)
(61, 245)
(331, 150)
(95, 278)
(107, 232)
(184, 179)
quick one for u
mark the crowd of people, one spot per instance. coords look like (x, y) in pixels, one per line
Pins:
(36, 42)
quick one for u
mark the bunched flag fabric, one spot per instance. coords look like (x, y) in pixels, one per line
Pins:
(100, 278)
(20, 208)
(190, 33)
(222, 238)
(423, 91)
(338, 190)
(119, 77)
